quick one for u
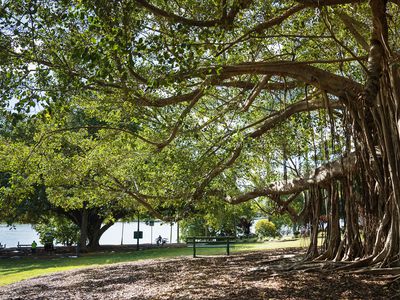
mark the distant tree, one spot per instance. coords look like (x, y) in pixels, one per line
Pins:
(63, 230)
(193, 227)
(265, 228)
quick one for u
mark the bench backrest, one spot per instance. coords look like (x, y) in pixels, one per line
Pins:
(211, 239)
(210, 242)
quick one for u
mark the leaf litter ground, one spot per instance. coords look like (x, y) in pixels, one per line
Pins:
(254, 275)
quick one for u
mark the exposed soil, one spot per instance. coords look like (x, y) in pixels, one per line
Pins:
(256, 275)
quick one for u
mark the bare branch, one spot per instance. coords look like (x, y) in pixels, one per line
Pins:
(256, 91)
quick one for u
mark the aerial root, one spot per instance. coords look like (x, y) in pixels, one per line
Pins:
(365, 262)
(379, 271)
(394, 278)
(310, 266)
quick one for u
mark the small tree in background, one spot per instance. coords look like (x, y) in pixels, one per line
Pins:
(192, 227)
(61, 229)
(265, 228)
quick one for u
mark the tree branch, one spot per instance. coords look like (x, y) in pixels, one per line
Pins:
(349, 23)
(222, 165)
(376, 53)
(333, 84)
(282, 115)
(260, 27)
(255, 92)
(287, 14)
(268, 123)
(179, 122)
(320, 176)
(226, 19)
(162, 102)
(140, 199)
(139, 100)
(248, 85)
(319, 3)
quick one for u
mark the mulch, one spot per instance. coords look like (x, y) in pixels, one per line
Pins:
(255, 275)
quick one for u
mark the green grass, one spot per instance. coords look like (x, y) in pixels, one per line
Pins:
(14, 270)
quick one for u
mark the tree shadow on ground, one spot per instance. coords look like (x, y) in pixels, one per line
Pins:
(259, 275)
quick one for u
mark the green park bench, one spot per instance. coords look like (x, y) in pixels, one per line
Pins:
(24, 248)
(196, 242)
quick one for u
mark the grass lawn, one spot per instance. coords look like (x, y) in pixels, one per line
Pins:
(14, 270)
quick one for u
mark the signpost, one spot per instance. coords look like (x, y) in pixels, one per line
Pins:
(151, 224)
(138, 234)
(122, 234)
(170, 233)
(177, 232)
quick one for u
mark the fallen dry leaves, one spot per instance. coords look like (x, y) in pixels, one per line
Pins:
(256, 275)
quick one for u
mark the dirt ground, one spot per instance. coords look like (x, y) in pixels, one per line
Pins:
(256, 275)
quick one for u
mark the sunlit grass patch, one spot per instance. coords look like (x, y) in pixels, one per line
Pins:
(14, 270)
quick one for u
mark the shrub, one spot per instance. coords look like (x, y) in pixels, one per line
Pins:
(265, 228)
(61, 229)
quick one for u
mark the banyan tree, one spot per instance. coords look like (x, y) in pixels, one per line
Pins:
(279, 99)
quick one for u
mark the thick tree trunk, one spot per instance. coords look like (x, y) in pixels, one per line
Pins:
(91, 226)
(95, 233)
(379, 134)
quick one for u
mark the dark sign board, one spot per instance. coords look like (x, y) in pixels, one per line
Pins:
(138, 234)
